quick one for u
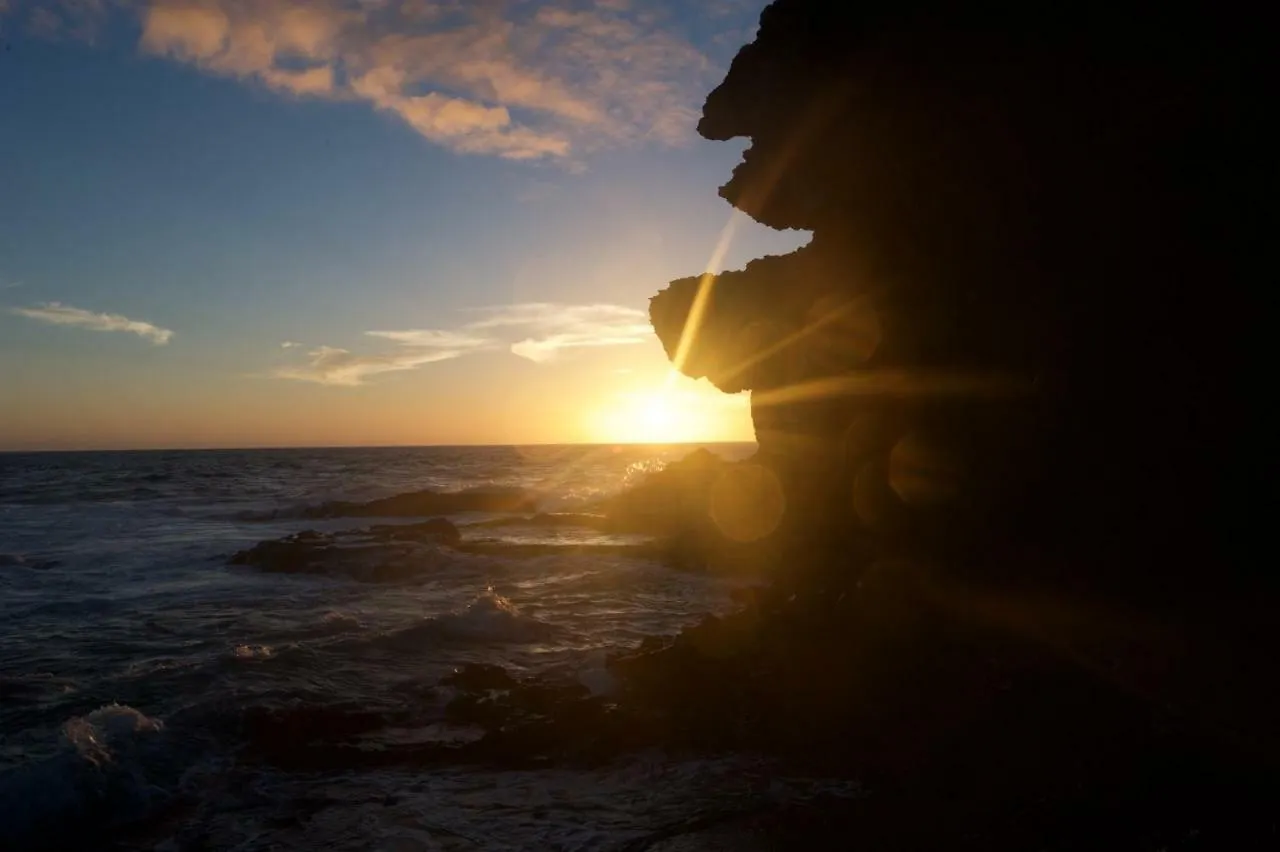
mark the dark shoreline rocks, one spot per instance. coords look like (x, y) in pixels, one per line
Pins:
(672, 511)
(426, 503)
(382, 553)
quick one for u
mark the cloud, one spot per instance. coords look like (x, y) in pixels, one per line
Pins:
(553, 327)
(329, 365)
(290, 344)
(508, 78)
(59, 314)
(433, 338)
(56, 19)
(538, 331)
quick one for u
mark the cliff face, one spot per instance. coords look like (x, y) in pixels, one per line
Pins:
(1001, 330)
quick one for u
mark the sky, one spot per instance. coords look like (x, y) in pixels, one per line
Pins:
(358, 222)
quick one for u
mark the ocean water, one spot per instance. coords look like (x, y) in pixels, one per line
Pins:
(130, 649)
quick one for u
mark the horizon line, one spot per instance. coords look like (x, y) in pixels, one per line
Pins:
(265, 448)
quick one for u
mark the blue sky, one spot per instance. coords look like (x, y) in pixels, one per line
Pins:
(231, 223)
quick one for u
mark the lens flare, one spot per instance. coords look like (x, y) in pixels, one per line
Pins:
(747, 502)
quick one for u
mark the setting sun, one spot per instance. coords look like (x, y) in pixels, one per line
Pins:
(686, 412)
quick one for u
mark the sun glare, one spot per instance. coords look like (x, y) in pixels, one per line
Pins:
(664, 416)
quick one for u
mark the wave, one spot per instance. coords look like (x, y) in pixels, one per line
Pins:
(21, 560)
(489, 619)
(113, 768)
(409, 504)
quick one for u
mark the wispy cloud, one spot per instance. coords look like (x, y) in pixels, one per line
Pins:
(329, 365)
(290, 344)
(434, 339)
(538, 331)
(510, 78)
(552, 327)
(60, 314)
(56, 19)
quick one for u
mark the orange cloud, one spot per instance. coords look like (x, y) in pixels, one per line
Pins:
(500, 78)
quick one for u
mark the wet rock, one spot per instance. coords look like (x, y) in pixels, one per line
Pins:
(583, 520)
(378, 554)
(439, 530)
(427, 502)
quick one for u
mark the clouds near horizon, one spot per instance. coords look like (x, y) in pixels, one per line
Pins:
(56, 313)
(541, 331)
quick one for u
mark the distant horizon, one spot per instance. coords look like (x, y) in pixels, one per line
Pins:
(233, 449)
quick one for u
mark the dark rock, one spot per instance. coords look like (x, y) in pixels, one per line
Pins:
(427, 502)
(379, 554)
(556, 519)
(969, 340)
(439, 530)
(476, 677)
(707, 513)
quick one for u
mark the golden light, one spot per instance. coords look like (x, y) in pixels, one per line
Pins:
(650, 417)
(746, 502)
(669, 414)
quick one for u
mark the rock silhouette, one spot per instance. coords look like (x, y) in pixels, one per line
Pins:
(1003, 327)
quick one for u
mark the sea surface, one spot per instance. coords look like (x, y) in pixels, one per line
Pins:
(130, 650)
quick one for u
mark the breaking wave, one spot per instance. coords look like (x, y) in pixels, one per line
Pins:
(113, 767)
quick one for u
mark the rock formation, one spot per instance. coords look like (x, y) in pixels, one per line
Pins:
(1018, 319)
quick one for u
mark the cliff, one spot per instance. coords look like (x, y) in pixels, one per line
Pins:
(1003, 330)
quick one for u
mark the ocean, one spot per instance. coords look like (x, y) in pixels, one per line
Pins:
(131, 650)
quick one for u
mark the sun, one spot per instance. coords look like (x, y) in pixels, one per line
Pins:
(652, 417)
(657, 415)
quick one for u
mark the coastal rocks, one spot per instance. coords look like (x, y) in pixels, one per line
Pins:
(427, 502)
(708, 513)
(379, 554)
(552, 520)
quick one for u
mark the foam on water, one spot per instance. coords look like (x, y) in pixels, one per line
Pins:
(108, 772)
(251, 652)
(491, 617)
(488, 619)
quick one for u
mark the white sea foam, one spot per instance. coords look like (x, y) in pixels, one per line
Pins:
(491, 617)
(252, 652)
(101, 777)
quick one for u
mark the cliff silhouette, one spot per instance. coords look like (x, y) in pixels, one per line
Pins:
(1022, 315)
